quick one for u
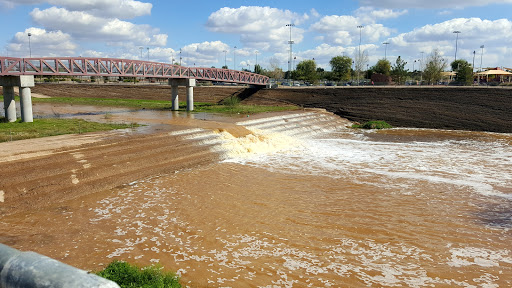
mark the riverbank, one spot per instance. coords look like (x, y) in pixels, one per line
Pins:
(458, 108)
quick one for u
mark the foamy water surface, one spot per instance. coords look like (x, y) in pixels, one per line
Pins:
(307, 202)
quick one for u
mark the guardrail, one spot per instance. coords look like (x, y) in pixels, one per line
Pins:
(31, 270)
(112, 67)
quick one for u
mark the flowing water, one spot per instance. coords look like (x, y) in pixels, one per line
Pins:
(302, 201)
(306, 202)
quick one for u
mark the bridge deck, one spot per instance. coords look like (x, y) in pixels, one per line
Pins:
(111, 67)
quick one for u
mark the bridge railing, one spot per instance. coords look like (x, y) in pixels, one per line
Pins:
(112, 67)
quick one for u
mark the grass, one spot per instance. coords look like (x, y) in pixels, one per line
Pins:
(373, 125)
(230, 106)
(128, 276)
(51, 127)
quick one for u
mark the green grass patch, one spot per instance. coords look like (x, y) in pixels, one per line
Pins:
(128, 276)
(51, 127)
(373, 125)
(231, 106)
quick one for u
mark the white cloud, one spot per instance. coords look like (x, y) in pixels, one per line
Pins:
(206, 54)
(42, 43)
(262, 28)
(122, 9)
(371, 15)
(342, 30)
(433, 4)
(84, 26)
(495, 35)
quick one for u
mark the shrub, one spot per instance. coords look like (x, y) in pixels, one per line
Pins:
(130, 276)
(231, 101)
(373, 125)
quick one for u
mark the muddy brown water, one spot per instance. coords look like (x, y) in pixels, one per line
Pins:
(299, 201)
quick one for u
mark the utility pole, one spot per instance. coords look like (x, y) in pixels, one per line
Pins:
(385, 50)
(456, 43)
(290, 59)
(359, 60)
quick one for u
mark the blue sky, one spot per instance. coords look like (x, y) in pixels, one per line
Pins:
(203, 30)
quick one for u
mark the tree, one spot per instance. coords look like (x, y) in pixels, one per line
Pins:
(435, 65)
(340, 66)
(275, 71)
(360, 62)
(306, 71)
(258, 69)
(464, 71)
(399, 73)
(383, 66)
(224, 67)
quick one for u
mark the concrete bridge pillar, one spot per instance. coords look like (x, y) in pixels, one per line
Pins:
(24, 82)
(9, 103)
(189, 83)
(175, 101)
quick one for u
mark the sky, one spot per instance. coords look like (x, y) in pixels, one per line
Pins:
(241, 33)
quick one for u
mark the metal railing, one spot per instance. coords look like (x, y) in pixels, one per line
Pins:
(112, 67)
(31, 270)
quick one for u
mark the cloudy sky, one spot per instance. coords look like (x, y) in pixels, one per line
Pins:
(203, 30)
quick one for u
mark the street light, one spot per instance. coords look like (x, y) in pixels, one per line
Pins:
(148, 52)
(421, 67)
(481, 56)
(180, 57)
(225, 58)
(290, 59)
(256, 52)
(141, 48)
(385, 50)
(29, 47)
(234, 58)
(473, 67)
(359, 56)
(456, 42)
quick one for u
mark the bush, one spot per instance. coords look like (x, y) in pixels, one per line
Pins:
(130, 276)
(231, 101)
(373, 125)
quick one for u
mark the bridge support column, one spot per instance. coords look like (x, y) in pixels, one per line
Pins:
(189, 83)
(24, 82)
(175, 101)
(190, 94)
(9, 103)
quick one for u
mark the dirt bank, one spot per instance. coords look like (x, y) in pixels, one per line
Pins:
(459, 108)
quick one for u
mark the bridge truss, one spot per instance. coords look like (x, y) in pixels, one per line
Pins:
(111, 67)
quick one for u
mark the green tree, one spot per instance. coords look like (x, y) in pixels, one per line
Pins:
(341, 68)
(435, 65)
(398, 72)
(258, 69)
(306, 71)
(383, 66)
(464, 71)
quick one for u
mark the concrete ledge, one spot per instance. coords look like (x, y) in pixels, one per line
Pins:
(182, 82)
(20, 81)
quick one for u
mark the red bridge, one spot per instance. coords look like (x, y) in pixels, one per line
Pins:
(110, 67)
(20, 72)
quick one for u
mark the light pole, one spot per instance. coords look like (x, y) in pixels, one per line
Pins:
(359, 55)
(421, 67)
(234, 58)
(481, 57)
(256, 52)
(148, 52)
(29, 47)
(473, 67)
(141, 48)
(456, 43)
(225, 58)
(180, 57)
(290, 59)
(385, 50)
